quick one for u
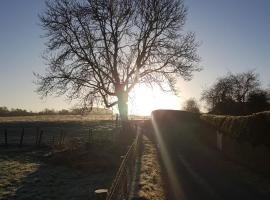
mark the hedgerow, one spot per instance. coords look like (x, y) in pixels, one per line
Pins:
(253, 128)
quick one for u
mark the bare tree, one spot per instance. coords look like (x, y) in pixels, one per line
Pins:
(98, 50)
(231, 88)
(220, 91)
(244, 83)
(191, 105)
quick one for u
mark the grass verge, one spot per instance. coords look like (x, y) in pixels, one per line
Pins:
(150, 182)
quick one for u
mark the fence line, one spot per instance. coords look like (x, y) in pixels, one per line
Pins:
(121, 186)
(52, 136)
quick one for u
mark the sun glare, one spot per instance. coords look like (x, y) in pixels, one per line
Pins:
(144, 100)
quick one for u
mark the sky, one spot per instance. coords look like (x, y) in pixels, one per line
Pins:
(234, 37)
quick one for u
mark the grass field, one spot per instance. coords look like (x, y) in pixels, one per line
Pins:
(75, 127)
(73, 171)
(46, 174)
(62, 118)
(80, 128)
(53, 118)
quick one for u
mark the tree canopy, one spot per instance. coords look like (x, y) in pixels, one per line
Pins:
(98, 50)
(191, 105)
(236, 94)
(232, 87)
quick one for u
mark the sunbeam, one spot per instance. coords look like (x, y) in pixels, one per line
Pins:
(178, 192)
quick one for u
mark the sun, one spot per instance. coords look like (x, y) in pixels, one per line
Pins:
(143, 100)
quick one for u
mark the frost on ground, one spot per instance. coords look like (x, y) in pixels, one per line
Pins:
(13, 172)
(59, 175)
(150, 180)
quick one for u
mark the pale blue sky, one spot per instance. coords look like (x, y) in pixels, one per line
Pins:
(234, 35)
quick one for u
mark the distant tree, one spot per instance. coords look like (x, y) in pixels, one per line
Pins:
(191, 105)
(268, 92)
(77, 111)
(98, 50)
(47, 111)
(4, 111)
(18, 112)
(64, 112)
(258, 96)
(221, 91)
(243, 84)
(229, 89)
(258, 100)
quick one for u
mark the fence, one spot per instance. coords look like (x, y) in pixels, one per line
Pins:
(46, 135)
(121, 186)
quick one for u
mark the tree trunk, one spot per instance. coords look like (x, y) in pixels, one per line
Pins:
(125, 134)
(123, 106)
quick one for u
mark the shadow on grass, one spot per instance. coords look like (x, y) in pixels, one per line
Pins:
(135, 186)
(149, 177)
(67, 174)
(164, 172)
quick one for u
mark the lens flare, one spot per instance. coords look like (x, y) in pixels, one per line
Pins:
(177, 189)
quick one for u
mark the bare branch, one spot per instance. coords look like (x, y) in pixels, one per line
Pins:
(102, 48)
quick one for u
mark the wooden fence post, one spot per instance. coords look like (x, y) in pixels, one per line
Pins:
(52, 140)
(61, 139)
(219, 140)
(40, 138)
(90, 135)
(101, 194)
(37, 135)
(6, 139)
(61, 136)
(22, 135)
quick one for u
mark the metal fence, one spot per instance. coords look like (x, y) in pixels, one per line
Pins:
(121, 186)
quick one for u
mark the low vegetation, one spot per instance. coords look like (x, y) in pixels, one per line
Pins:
(150, 183)
(253, 128)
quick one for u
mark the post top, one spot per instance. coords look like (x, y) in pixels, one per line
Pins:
(99, 191)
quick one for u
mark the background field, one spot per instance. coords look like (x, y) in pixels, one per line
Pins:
(79, 128)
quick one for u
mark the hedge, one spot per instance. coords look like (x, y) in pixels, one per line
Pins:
(253, 128)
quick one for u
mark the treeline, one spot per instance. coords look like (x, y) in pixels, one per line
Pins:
(5, 112)
(237, 94)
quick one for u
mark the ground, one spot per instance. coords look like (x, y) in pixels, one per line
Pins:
(62, 174)
(189, 169)
(196, 171)
(82, 130)
(149, 180)
(87, 161)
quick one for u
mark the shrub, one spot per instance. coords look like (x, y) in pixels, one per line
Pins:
(253, 128)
